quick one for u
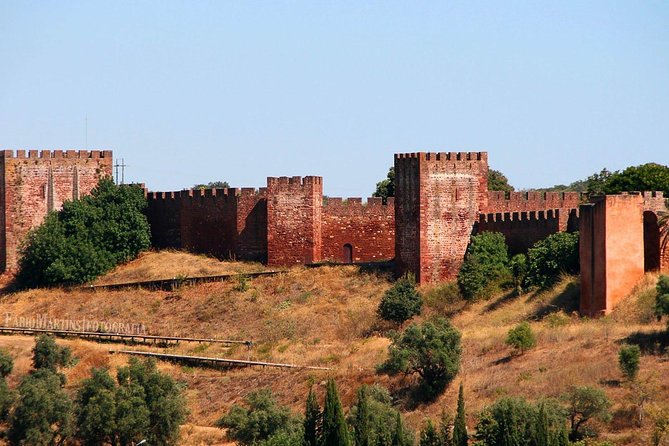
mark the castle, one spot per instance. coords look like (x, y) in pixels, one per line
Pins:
(441, 199)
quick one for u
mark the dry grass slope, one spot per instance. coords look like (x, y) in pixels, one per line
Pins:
(326, 316)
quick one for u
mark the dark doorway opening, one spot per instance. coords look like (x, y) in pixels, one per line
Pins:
(651, 242)
(348, 253)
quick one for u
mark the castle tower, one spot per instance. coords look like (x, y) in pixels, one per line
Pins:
(438, 197)
(33, 183)
(294, 209)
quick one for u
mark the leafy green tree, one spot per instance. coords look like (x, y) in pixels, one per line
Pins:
(645, 177)
(518, 266)
(335, 431)
(402, 301)
(521, 337)
(548, 258)
(312, 420)
(498, 181)
(6, 399)
(6, 363)
(43, 414)
(386, 188)
(431, 350)
(96, 409)
(446, 425)
(542, 432)
(628, 360)
(583, 404)
(212, 185)
(48, 355)
(86, 238)
(399, 437)
(460, 425)
(485, 265)
(429, 435)
(132, 414)
(262, 419)
(163, 397)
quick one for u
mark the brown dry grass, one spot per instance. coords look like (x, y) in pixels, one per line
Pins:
(326, 316)
(170, 264)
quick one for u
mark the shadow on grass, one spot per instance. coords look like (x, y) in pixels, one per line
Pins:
(653, 342)
(503, 360)
(567, 301)
(501, 301)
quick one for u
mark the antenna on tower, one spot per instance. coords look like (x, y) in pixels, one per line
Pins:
(122, 165)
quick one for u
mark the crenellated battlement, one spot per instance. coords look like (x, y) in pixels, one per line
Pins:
(525, 216)
(296, 182)
(70, 154)
(499, 201)
(357, 202)
(444, 156)
(225, 193)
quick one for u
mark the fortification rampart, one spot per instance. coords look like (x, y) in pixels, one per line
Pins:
(353, 231)
(523, 229)
(499, 201)
(34, 182)
(227, 223)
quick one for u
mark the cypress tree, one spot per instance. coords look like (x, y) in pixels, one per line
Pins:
(362, 419)
(312, 420)
(542, 427)
(445, 429)
(335, 431)
(429, 436)
(398, 434)
(460, 425)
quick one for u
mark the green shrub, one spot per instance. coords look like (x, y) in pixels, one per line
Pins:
(6, 363)
(372, 415)
(628, 360)
(431, 350)
(402, 301)
(583, 404)
(485, 265)
(662, 299)
(521, 337)
(548, 258)
(518, 266)
(262, 419)
(87, 238)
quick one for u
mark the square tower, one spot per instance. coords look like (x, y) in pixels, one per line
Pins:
(438, 197)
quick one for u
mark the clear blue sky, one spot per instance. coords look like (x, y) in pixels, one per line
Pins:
(196, 91)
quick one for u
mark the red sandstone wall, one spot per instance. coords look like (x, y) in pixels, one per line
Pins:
(226, 223)
(294, 209)
(444, 192)
(611, 251)
(369, 229)
(522, 229)
(34, 183)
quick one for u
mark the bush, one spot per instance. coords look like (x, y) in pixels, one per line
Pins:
(6, 363)
(87, 238)
(485, 265)
(402, 301)
(521, 337)
(431, 350)
(518, 266)
(48, 355)
(372, 416)
(662, 299)
(261, 420)
(548, 258)
(628, 359)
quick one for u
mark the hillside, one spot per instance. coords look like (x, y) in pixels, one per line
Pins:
(326, 317)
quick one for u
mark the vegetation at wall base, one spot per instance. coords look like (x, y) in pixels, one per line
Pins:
(485, 266)
(86, 238)
(552, 256)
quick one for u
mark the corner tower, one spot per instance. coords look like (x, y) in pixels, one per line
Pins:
(438, 197)
(32, 183)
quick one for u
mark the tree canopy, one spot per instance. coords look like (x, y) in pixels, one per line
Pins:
(86, 238)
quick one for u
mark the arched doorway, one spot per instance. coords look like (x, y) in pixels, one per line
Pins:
(348, 253)
(651, 242)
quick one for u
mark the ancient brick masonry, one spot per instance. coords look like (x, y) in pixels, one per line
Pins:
(438, 197)
(34, 182)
